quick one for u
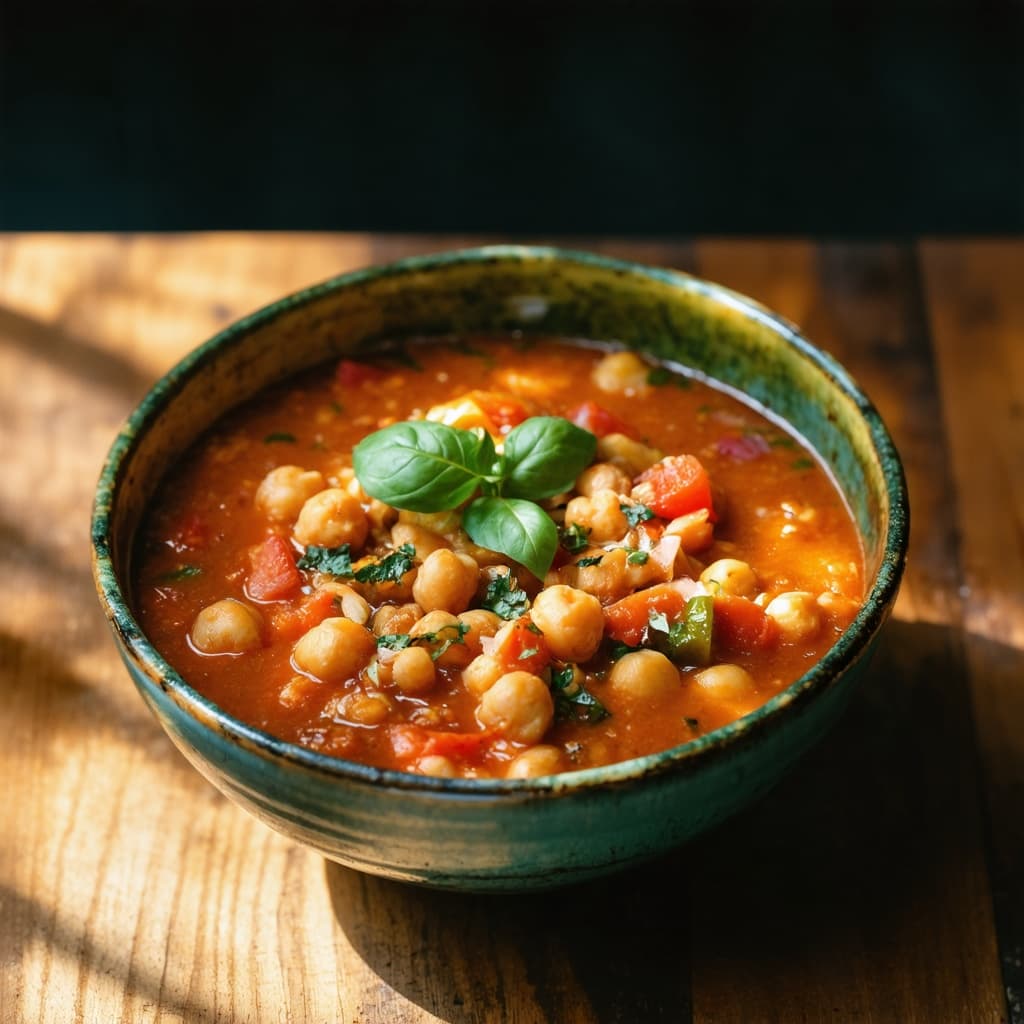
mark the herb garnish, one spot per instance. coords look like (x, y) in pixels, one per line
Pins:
(802, 463)
(573, 700)
(637, 557)
(574, 538)
(658, 375)
(279, 437)
(336, 561)
(399, 641)
(584, 562)
(504, 597)
(636, 514)
(424, 466)
(183, 572)
(389, 569)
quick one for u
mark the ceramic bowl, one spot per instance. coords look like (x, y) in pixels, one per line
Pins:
(507, 834)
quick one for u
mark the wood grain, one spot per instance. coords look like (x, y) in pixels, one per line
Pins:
(131, 891)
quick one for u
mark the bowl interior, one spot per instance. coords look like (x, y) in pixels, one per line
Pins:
(671, 316)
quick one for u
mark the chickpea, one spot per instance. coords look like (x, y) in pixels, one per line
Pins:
(725, 682)
(227, 627)
(797, 614)
(412, 670)
(481, 623)
(694, 530)
(535, 762)
(297, 691)
(571, 620)
(446, 581)
(732, 577)
(396, 618)
(335, 650)
(331, 518)
(446, 627)
(643, 676)
(425, 541)
(629, 455)
(353, 605)
(284, 490)
(519, 706)
(437, 765)
(600, 514)
(603, 476)
(621, 372)
(365, 708)
(607, 580)
(482, 673)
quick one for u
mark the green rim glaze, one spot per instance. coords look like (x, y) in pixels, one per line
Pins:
(524, 313)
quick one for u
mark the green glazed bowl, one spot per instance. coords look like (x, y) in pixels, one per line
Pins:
(506, 834)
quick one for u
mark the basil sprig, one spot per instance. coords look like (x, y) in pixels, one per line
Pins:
(423, 466)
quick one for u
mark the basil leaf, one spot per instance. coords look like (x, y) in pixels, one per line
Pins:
(422, 466)
(505, 599)
(544, 455)
(336, 561)
(389, 569)
(519, 529)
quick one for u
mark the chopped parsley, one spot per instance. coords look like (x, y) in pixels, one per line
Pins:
(636, 514)
(573, 700)
(658, 376)
(802, 463)
(575, 538)
(389, 569)
(504, 597)
(183, 572)
(400, 641)
(637, 557)
(279, 437)
(335, 561)
(594, 560)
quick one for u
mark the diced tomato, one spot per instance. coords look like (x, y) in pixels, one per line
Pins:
(626, 620)
(501, 409)
(289, 624)
(351, 374)
(192, 533)
(676, 486)
(741, 626)
(598, 420)
(274, 574)
(411, 742)
(523, 648)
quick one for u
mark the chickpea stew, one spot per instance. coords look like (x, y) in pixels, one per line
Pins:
(485, 557)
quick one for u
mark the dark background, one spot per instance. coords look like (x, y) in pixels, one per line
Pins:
(518, 118)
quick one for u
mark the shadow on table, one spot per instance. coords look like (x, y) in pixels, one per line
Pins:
(832, 880)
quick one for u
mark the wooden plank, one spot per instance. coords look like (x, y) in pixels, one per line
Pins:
(975, 295)
(859, 890)
(130, 890)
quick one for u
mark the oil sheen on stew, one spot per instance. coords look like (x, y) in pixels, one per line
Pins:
(702, 561)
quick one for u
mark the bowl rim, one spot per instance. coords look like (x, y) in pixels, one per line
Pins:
(848, 648)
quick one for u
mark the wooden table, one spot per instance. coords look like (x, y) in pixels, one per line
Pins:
(883, 881)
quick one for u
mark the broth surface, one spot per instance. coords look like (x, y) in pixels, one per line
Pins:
(778, 512)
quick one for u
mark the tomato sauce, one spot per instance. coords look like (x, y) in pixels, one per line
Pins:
(746, 498)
